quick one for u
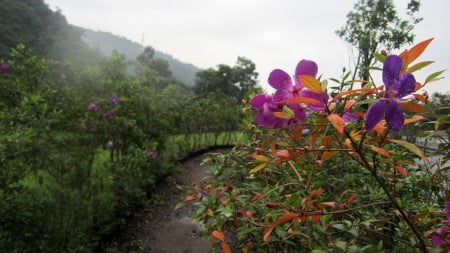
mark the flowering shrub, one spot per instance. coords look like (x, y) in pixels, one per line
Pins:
(323, 170)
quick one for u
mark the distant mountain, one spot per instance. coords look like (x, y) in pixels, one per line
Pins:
(107, 42)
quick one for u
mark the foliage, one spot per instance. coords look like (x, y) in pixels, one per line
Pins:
(236, 82)
(374, 24)
(329, 181)
(82, 150)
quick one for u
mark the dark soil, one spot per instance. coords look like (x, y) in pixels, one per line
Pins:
(161, 228)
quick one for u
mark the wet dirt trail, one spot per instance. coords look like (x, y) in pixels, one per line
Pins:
(162, 229)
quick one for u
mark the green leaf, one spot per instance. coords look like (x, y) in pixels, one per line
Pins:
(411, 147)
(379, 57)
(418, 66)
(433, 77)
(294, 201)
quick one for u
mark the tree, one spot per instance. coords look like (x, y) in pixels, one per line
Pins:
(234, 81)
(374, 24)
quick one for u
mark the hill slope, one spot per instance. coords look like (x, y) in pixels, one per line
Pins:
(106, 42)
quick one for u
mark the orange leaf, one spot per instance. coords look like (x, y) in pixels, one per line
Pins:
(316, 192)
(311, 83)
(283, 219)
(402, 171)
(414, 119)
(218, 235)
(190, 197)
(380, 151)
(412, 54)
(327, 155)
(302, 100)
(353, 197)
(225, 247)
(337, 122)
(326, 141)
(355, 91)
(283, 115)
(412, 107)
(273, 149)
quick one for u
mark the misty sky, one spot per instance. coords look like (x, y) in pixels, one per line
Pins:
(271, 33)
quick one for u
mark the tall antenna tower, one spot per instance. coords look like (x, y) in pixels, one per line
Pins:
(143, 39)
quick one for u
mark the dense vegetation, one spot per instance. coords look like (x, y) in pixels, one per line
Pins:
(86, 139)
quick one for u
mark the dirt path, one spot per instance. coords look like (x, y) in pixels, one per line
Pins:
(165, 230)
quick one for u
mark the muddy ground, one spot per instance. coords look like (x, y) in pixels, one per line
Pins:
(162, 229)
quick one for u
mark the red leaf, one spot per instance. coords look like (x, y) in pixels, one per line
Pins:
(412, 107)
(225, 247)
(350, 200)
(337, 122)
(283, 219)
(304, 100)
(412, 54)
(190, 197)
(315, 218)
(218, 235)
(380, 151)
(402, 171)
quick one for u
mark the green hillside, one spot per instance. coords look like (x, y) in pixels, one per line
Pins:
(107, 42)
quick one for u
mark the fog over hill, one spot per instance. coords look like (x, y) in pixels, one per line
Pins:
(107, 42)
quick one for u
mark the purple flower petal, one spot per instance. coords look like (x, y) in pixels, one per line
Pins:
(407, 84)
(350, 117)
(447, 211)
(279, 79)
(113, 100)
(281, 95)
(322, 97)
(4, 68)
(437, 240)
(394, 116)
(93, 107)
(259, 100)
(374, 114)
(305, 67)
(391, 70)
(299, 112)
(108, 114)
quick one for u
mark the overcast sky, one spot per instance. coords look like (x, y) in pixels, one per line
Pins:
(271, 33)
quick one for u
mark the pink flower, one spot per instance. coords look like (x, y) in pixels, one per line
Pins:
(152, 153)
(4, 68)
(93, 107)
(108, 114)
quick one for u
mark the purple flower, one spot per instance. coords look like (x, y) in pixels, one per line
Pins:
(265, 107)
(90, 125)
(447, 211)
(282, 82)
(113, 100)
(322, 97)
(152, 153)
(4, 68)
(441, 239)
(396, 87)
(93, 107)
(108, 114)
